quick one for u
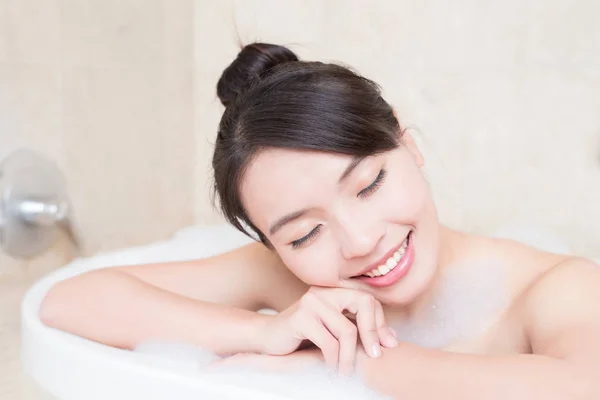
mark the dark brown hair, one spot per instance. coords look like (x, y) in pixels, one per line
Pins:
(274, 100)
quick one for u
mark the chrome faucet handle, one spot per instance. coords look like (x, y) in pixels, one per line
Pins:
(42, 213)
(33, 205)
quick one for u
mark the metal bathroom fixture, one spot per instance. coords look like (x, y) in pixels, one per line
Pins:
(34, 204)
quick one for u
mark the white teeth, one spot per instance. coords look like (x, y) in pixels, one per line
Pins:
(384, 269)
(390, 264)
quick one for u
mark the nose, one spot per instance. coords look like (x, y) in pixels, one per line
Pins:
(359, 236)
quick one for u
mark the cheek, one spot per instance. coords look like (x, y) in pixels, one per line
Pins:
(315, 266)
(408, 200)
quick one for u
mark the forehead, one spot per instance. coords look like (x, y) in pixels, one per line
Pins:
(281, 163)
(280, 180)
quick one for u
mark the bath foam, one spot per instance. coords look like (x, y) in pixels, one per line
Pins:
(73, 368)
(311, 382)
(470, 296)
(467, 299)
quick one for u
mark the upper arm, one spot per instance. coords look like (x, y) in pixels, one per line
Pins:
(250, 277)
(562, 313)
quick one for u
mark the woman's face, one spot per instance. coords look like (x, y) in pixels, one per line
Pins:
(333, 219)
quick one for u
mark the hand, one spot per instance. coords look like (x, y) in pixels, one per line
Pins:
(319, 317)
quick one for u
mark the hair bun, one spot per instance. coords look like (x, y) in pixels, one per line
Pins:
(252, 63)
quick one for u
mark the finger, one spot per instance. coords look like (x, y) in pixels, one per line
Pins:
(387, 336)
(366, 318)
(347, 338)
(315, 331)
(344, 331)
(310, 327)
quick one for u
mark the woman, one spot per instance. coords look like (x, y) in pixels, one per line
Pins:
(313, 160)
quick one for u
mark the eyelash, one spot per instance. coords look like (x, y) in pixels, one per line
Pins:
(372, 188)
(369, 190)
(298, 243)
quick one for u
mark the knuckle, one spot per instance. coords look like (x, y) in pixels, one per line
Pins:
(349, 332)
(368, 300)
(296, 321)
(334, 346)
(306, 320)
(331, 349)
(308, 299)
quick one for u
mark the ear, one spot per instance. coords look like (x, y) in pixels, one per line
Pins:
(409, 142)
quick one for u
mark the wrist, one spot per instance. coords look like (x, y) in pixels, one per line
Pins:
(256, 337)
(241, 331)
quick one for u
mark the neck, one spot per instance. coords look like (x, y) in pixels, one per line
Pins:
(467, 293)
(451, 243)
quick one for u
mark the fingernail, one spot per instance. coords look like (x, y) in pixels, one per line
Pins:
(376, 350)
(389, 341)
(394, 333)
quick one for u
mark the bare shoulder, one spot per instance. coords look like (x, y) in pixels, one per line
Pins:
(563, 285)
(524, 264)
(535, 269)
(561, 308)
(556, 297)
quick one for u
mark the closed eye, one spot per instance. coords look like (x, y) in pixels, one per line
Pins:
(305, 239)
(372, 188)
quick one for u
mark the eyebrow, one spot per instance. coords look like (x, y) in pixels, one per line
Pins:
(351, 167)
(281, 222)
(285, 220)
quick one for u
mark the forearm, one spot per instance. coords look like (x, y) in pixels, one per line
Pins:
(120, 310)
(409, 372)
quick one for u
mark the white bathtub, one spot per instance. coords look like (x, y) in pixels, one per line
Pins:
(73, 368)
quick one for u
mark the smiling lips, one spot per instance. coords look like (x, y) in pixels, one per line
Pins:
(395, 267)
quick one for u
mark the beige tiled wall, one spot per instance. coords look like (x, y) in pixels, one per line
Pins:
(504, 96)
(105, 88)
